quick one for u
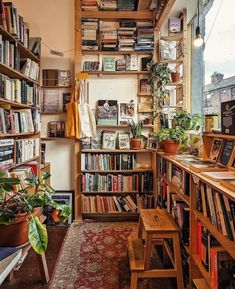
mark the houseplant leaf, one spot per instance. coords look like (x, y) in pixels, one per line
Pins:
(37, 235)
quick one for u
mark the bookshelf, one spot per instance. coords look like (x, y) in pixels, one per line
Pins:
(207, 235)
(20, 139)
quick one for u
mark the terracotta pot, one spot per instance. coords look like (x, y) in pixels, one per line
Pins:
(171, 146)
(16, 234)
(135, 144)
(175, 76)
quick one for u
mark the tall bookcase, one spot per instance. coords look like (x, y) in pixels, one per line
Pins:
(192, 196)
(141, 156)
(20, 85)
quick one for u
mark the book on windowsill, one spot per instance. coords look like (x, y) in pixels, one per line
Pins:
(219, 176)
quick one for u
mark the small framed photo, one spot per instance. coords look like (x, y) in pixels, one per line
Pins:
(152, 143)
(215, 149)
(124, 141)
(126, 112)
(109, 140)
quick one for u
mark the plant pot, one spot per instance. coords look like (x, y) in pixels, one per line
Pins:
(135, 144)
(171, 146)
(147, 121)
(16, 234)
(175, 76)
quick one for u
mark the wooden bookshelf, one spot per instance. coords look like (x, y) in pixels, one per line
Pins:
(16, 104)
(117, 72)
(19, 135)
(118, 171)
(101, 52)
(110, 216)
(53, 112)
(114, 151)
(117, 15)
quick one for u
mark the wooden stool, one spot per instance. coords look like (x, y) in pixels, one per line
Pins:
(155, 224)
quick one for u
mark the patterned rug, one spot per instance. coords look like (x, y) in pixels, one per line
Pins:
(94, 257)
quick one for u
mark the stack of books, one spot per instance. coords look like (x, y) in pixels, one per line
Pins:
(109, 38)
(126, 35)
(108, 5)
(30, 68)
(126, 5)
(56, 129)
(90, 5)
(89, 34)
(27, 149)
(6, 153)
(145, 37)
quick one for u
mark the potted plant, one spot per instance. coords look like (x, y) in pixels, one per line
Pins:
(171, 139)
(148, 121)
(187, 121)
(159, 78)
(20, 211)
(136, 130)
(175, 76)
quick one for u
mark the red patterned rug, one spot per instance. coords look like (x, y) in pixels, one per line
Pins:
(94, 257)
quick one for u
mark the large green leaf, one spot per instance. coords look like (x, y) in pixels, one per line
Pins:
(37, 235)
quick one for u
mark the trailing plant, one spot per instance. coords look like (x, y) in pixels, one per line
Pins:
(13, 203)
(159, 78)
(136, 128)
(176, 134)
(188, 121)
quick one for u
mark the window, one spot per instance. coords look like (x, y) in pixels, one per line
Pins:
(213, 65)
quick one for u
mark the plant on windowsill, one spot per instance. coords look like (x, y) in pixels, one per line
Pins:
(159, 78)
(171, 139)
(137, 139)
(20, 211)
(187, 121)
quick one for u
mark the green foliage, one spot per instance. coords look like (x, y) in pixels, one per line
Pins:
(188, 121)
(176, 135)
(136, 129)
(37, 235)
(13, 203)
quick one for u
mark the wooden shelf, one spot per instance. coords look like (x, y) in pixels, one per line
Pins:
(53, 138)
(118, 171)
(144, 5)
(114, 193)
(123, 216)
(24, 134)
(223, 240)
(113, 126)
(54, 87)
(55, 112)
(201, 283)
(173, 61)
(202, 269)
(175, 84)
(177, 37)
(117, 72)
(24, 52)
(16, 104)
(12, 166)
(114, 151)
(101, 52)
(6, 70)
(215, 135)
(118, 15)
(147, 94)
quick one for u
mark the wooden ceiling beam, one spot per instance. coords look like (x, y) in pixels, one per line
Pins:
(164, 13)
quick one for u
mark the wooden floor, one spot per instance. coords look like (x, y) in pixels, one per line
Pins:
(28, 277)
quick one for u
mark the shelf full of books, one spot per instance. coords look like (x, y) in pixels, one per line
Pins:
(207, 216)
(20, 123)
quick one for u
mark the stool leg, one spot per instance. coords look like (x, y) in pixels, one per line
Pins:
(134, 281)
(178, 264)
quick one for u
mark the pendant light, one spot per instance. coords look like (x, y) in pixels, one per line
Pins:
(198, 41)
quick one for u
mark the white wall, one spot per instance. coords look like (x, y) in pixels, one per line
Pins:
(53, 21)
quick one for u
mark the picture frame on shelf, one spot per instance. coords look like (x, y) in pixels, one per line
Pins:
(109, 140)
(96, 141)
(126, 112)
(124, 141)
(109, 64)
(107, 112)
(215, 149)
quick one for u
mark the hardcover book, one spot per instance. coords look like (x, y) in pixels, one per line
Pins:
(215, 149)
(226, 152)
(107, 112)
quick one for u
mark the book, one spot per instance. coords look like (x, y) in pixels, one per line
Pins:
(107, 112)
(56, 129)
(206, 167)
(218, 176)
(109, 139)
(227, 117)
(109, 64)
(215, 149)
(52, 100)
(226, 152)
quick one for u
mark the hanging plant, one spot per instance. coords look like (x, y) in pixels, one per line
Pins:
(159, 78)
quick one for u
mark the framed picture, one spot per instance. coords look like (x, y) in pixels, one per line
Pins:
(61, 197)
(127, 112)
(124, 141)
(215, 149)
(152, 143)
(107, 112)
(109, 140)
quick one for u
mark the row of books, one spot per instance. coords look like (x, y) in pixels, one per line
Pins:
(116, 204)
(11, 21)
(19, 121)
(138, 182)
(215, 259)
(6, 152)
(218, 208)
(18, 91)
(30, 69)
(93, 161)
(125, 35)
(23, 173)
(108, 5)
(27, 149)
(9, 54)
(56, 128)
